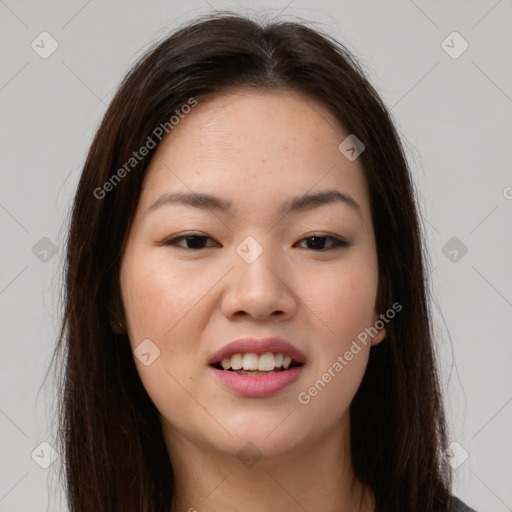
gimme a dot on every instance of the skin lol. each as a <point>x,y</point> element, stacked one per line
<point>256,149</point>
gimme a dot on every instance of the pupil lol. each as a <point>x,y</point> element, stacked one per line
<point>316,241</point>
<point>199,242</point>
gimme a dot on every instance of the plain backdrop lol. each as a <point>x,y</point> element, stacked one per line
<point>451,97</point>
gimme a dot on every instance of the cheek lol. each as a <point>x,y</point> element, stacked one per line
<point>344,300</point>
<point>158,297</point>
<point>344,307</point>
<point>331,390</point>
<point>162,305</point>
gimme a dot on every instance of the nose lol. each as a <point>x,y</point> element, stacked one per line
<point>259,289</point>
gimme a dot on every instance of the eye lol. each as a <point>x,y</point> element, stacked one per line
<point>318,242</point>
<point>195,241</point>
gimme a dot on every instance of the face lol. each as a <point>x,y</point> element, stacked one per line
<point>193,279</point>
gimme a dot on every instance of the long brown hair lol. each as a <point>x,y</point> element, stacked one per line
<point>109,429</point>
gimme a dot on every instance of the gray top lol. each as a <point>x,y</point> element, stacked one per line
<point>459,506</point>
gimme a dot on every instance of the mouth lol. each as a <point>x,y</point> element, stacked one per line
<point>253,364</point>
<point>257,368</point>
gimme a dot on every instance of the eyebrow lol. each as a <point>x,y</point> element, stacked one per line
<point>295,204</point>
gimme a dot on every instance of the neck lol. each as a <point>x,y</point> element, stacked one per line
<point>318,476</point>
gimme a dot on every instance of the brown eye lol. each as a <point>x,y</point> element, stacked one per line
<point>193,241</point>
<point>317,242</point>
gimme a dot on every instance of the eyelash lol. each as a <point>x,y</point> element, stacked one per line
<point>337,242</point>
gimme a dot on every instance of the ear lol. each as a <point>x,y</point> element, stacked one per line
<point>380,335</point>
<point>116,327</point>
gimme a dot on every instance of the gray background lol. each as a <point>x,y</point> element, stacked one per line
<point>454,115</point>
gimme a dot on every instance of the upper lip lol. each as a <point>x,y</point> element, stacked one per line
<point>258,346</point>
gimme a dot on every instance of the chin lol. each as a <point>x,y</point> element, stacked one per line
<point>265,439</point>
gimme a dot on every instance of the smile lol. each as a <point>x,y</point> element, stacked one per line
<point>252,364</point>
<point>257,376</point>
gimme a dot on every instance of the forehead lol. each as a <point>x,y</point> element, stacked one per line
<point>259,145</point>
<point>238,121</point>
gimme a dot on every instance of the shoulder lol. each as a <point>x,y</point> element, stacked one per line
<point>457,505</point>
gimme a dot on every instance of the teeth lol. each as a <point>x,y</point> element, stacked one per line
<point>266,362</point>
<point>252,362</point>
<point>236,362</point>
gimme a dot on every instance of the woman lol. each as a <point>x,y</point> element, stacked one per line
<point>247,324</point>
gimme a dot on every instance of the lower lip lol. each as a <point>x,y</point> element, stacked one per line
<point>257,385</point>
